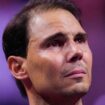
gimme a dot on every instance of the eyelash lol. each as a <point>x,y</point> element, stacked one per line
<point>80,38</point>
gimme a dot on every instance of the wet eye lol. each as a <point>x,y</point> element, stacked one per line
<point>80,38</point>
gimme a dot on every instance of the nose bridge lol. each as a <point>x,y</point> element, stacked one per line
<point>73,52</point>
<point>72,47</point>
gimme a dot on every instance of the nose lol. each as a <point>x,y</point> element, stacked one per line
<point>75,57</point>
<point>74,54</point>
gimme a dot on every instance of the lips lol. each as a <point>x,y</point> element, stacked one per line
<point>76,73</point>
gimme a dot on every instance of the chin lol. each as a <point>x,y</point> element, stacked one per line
<point>81,89</point>
<point>77,90</point>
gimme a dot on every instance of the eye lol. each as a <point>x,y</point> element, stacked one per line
<point>80,38</point>
<point>57,40</point>
<point>56,43</point>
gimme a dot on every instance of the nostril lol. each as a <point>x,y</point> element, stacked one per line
<point>76,57</point>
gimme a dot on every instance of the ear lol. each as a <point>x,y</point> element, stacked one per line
<point>17,67</point>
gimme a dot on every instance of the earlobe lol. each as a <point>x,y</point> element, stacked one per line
<point>16,65</point>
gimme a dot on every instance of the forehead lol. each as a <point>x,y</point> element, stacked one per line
<point>52,21</point>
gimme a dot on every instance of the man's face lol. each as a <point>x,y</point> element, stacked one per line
<point>59,60</point>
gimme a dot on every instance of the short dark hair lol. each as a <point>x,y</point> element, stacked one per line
<point>15,36</point>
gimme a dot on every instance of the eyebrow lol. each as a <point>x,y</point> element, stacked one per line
<point>59,35</point>
<point>55,36</point>
<point>82,33</point>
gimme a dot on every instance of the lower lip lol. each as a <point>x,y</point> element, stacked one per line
<point>76,75</point>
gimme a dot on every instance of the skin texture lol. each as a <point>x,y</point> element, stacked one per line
<point>57,46</point>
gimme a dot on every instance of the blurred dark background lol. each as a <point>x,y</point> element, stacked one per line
<point>93,18</point>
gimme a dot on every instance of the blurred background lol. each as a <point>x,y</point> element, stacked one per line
<point>93,18</point>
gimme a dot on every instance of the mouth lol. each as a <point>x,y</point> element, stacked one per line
<point>76,73</point>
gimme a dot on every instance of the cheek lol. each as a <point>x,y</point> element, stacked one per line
<point>88,59</point>
<point>40,71</point>
<point>57,59</point>
<point>89,64</point>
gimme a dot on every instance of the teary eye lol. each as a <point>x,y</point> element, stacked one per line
<point>80,38</point>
